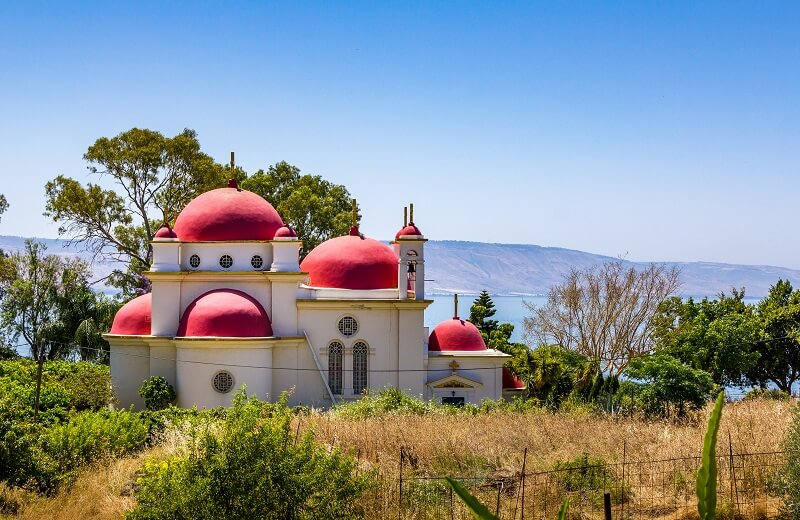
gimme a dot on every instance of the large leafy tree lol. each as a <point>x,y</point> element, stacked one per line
<point>779,352</point>
<point>605,312</point>
<point>316,208</point>
<point>717,336</point>
<point>151,178</point>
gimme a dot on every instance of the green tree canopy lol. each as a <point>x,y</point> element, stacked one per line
<point>3,204</point>
<point>152,177</point>
<point>779,353</point>
<point>481,312</point>
<point>717,336</point>
<point>316,208</point>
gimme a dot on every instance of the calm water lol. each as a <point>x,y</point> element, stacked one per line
<point>510,309</point>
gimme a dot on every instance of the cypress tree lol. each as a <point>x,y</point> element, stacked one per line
<point>480,313</point>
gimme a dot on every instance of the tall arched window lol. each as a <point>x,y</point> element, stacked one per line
<point>360,354</point>
<point>335,350</point>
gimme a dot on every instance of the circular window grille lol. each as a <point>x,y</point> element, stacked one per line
<point>226,261</point>
<point>194,261</point>
<point>348,326</point>
<point>223,382</point>
<point>256,262</point>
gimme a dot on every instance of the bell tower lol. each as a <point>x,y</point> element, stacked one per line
<point>409,245</point>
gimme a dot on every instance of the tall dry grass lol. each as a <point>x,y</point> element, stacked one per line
<point>451,444</point>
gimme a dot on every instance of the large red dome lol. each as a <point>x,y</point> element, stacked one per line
<point>456,334</point>
<point>351,262</point>
<point>225,313</point>
<point>227,214</point>
<point>133,318</point>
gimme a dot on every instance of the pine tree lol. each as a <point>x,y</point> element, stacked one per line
<point>480,313</point>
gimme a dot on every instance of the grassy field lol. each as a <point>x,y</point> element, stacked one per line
<point>484,445</point>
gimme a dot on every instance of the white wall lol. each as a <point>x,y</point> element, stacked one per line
<point>130,366</point>
<point>241,252</point>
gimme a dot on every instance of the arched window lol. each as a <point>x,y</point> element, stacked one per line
<point>360,355</point>
<point>335,350</point>
<point>412,268</point>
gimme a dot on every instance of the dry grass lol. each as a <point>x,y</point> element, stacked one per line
<point>452,444</point>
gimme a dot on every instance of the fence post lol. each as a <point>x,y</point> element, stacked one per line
<point>734,491</point>
<point>497,506</point>
<point>522,508</point>
<point>622,491</point>
<point>400,507</point>
<point>607,505</point>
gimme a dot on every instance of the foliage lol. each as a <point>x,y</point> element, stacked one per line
<point>478,510</point>
<point>252,466</point>
<point>717,336</point>
<point>767,393</point>
<point>779,316</point>
<point>480,314</point>
<point>660,385</point>
<point>605,312</point>
<point>551,373</point>
<point>157,393</point>
<point>583,473</point>
<point>563,511</point>
<point>707,474</point>
<point>786,481</point>
<point>317,209</point>
<point>48,302</point>
<point>153,178</point>
<point>3,204</point>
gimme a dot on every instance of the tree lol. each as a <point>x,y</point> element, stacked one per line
<point>717,336</point>
<point>3,204</point>
<point>316,208</point>
<point>481,311</point>
<point>153,178</point>
<point>779,352</point>
<point>604,312</point>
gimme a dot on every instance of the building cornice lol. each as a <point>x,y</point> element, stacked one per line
<point>239,276</point>
<point>362,303</point>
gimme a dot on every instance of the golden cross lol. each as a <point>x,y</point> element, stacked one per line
<point>355,213</point>
<point>455,305</point>
<point>454,365</point>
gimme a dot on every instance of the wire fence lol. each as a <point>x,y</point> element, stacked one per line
<point>629,490</point>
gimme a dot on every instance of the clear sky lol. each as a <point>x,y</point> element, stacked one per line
<point>655,130</point>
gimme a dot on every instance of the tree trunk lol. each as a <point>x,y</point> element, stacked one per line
<point>39,364</point>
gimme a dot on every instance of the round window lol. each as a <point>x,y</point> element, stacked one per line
<point>226,261</point>
<point>256,262</point>
<point>223,381</point>
<point>194,261</point>
<point>348,326</point>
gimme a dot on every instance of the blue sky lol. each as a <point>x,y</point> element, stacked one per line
<point>655,130</point>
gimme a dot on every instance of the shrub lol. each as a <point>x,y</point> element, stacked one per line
<point>767,393</point>
<point>385,402</point>
<point>157,393</point>
<point>786,482</point>
<point>252,465</point>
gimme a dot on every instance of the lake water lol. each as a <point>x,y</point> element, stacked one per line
<point>510,309</point>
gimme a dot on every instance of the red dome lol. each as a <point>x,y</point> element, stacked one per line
<point>225,313</point>
<point>227,214</point>
<point>351,262</point>
<point>456,334</point>
<point>133,318</point>
<point>409,231</point>
<point>511,381</point>
<point>165,232</point>
<point>285,232</point>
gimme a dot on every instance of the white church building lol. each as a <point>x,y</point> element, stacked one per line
<point>231,305</point>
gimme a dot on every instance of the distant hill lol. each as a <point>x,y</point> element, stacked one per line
<point>469,267</point>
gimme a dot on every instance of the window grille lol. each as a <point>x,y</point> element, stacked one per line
<point>226,261</point>
<point>223,381</point>
<point>335,351</point>
<point>256,261</point>
<point>194,261</point>
<point>348,326</point>
<point>360,355</point>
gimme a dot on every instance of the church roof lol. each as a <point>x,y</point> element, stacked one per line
<point>457,335</point>
<point>411,230</point>
<point>133,318</point>
<point>351,262</point>
<point>227,214</point>
<point>225,313</point>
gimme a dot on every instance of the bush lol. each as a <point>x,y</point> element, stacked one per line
<point>593,475</point>
<point>252,465</point>
<point>767,393</point>
<point>157,393</point>
<point>786,481</point>
<point>385,402</point>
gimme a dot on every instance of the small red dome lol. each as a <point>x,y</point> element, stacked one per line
<point>165,232</point>
<point>410,230</point>
<point>227,214</point>
<point>133,318</point>
<point>351,262</point>
<point>456,334</point>
<point>225,313</point>
<point>511,381</point>
<point>286,232</point>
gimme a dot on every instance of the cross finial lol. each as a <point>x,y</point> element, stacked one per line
<point>411,213</point>
<point>355,213</point>
<point>454,365</point>
<point>455,306</point>
<point>405,216</point>
<point>232,181</point>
